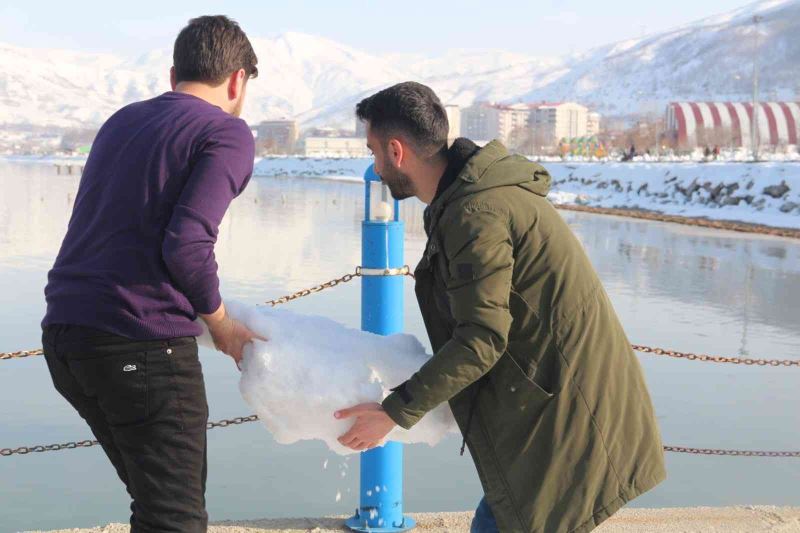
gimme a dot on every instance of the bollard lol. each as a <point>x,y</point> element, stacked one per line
<point>381,492</point>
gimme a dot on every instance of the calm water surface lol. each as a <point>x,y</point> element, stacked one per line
<point>679,287</point>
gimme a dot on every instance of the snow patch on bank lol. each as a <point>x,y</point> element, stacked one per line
<point>761,193</point>
<point>312,366</point>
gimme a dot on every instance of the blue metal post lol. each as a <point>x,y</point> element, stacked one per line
<point>381,499</point>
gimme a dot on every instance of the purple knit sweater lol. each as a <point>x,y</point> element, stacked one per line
<point>138,256</point>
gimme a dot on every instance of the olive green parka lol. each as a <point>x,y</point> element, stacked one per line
<point>530,354</point>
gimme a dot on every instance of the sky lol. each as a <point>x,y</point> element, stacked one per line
<point>532,27</point>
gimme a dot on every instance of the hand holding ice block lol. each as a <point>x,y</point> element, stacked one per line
<point>312,366</point>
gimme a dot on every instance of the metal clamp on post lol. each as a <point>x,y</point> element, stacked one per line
<point>364,271</point>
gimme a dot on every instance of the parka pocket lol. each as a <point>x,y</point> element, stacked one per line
<point>529,377</point>
<point>514,404</point>
<point>512,383</point>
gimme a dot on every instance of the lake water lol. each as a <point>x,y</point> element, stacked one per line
<point>673,286</point>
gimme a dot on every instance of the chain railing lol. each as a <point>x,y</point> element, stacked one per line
<point>359,272</point>
<point>21,354</point>
<point>24,450</point>
<point>736,453</point>
<point>748,361</point>
<point>406,271</point>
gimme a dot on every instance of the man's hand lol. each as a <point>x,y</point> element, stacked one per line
<point>229,335</point>
<point>370,428</point>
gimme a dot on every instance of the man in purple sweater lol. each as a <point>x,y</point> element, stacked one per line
<point>137,267</point>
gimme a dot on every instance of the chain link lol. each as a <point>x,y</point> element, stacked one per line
<point>405,271</point>
<point>317,288</point>
<point>20,354</point>
<point>716,358</point>
<point>748,361</point>
<point>231,422</point>
<point>24,450</point>
<point>737,453</point>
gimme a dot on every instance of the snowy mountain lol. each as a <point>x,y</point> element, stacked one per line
<point>318,80</point>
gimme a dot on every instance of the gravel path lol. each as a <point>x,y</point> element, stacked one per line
<point>745,519</point>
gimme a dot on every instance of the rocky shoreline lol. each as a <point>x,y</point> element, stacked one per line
<point>766,193</point>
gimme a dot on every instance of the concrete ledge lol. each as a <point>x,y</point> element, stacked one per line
<point>744,519</point>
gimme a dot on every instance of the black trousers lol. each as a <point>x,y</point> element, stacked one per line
<point>145,402</point>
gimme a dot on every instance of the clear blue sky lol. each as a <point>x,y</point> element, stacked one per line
<point>535,27</point>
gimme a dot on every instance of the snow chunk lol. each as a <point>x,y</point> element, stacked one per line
<point>312,366</point>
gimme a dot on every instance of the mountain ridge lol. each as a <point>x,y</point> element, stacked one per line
<point>318,80</point>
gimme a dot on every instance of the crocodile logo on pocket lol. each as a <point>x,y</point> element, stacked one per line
<point>129,368</point>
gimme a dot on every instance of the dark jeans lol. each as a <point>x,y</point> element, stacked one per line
<point>145,401</point>
<point>484,521</point>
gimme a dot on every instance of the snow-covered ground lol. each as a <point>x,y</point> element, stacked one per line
<point>761,193</point>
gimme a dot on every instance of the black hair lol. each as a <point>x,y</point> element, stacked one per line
<point>211,48</point>
<point>411,109</point>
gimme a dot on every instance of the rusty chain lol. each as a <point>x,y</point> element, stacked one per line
<point>405,270</point>
<point>24,450</point>
<point>747,361</point>
<point>20,354</point>
<point>231,422</point>
<point>317,288</point>
<point>737,453</point>
<point>715,358</point>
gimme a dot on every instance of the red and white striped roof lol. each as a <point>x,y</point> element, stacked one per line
<point>778,122</point>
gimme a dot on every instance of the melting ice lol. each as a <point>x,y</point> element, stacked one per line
<point>311,366</point>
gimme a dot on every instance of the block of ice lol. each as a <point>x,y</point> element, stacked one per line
<point>311,366</point>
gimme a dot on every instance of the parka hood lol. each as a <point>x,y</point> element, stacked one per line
<point>492,166</point>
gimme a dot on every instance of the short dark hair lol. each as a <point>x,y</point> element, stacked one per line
<point>211,48</point>
<point>408,108</point>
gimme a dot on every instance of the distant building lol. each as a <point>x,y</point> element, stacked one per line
<point>592,123</point>
<point>454,120</point>
<point>552,122</point>
<point>328,132</point>
<point>484,120</point>
<point>692,124</point>
<point>335,147</point>
<point>277,136</point>
<point>479,121</point>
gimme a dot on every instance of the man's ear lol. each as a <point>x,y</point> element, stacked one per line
<point>397,153</point>
<point>172,81</point>
<point>236,84</point>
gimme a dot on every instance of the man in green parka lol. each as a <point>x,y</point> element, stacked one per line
<point>528,350</point>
